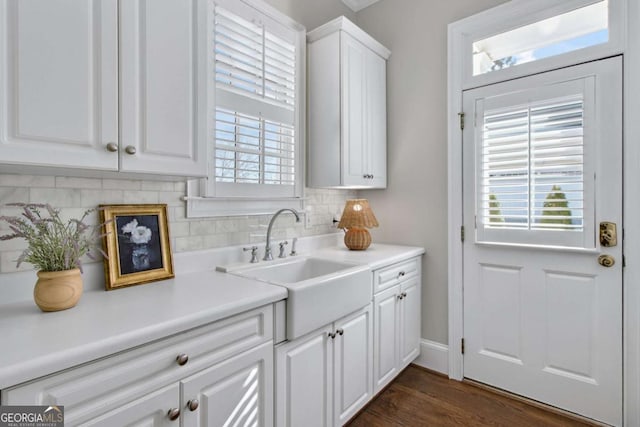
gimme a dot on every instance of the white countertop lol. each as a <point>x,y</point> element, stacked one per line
<point>35,343</point>
<point>378,255</point>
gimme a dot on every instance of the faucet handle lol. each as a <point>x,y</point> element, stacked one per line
<point>282,245</point>
<point>293,247</point>
<point>254,253</point>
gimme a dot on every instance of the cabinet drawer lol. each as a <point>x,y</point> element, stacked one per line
<point>392,275</point>
<point>100,386</point>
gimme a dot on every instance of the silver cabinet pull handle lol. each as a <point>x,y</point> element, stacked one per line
<point>193,404</point>
<point>130,149</point>
<point>173,414</point>
<point>112,147</point>
<point>182,359</point>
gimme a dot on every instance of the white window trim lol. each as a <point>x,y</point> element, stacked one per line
<point>518,13</point>
<point>199,206</point>
<point>624,22</point>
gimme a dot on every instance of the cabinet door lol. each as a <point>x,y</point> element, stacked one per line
<point>354,115</point>
<point>376,120</point>
<point>150,410</point>
<point>410,321</point>
<point>163,91</point>
<point>59,83</point>
<point>304,380</point>
<point>386,338</point>
<point>353,364</point>
<point>238,391</point>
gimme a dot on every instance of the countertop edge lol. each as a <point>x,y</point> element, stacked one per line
<point>51,363</point>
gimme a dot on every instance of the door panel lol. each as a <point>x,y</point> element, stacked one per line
<point>353,358</point>
<point>542,168</point>
<point>163,51</point>
<point>59,83</point>
<point>386,340</point>
<point>238,391</point>
<point>303,394</point>
<point>410,320</point>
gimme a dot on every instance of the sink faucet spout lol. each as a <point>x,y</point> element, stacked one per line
<point>267,249</point>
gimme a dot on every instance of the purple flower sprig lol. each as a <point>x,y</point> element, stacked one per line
<point>53,244</point>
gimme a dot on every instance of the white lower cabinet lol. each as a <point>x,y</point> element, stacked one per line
<point>325,377</point>
<point>237,392</point>
<point>214,375</point>
<point>396,321</point>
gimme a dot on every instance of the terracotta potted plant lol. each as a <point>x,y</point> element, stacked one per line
<point>55,248</point>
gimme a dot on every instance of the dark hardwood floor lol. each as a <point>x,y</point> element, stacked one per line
<point>422,398</point>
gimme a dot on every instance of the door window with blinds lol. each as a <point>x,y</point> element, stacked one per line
<point>534,166</point>
<point>257,145</point>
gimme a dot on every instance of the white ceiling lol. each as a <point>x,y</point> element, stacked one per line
<point>357,5</point>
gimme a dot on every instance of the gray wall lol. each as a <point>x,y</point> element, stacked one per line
<point>413,209</point>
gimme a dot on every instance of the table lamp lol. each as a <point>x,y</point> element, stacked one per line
<point>356,218</point>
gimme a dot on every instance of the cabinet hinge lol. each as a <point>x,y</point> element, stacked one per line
<point>624,261</point>
<point>462,233</point>
<point>462,345</point>
<point>461,116</point>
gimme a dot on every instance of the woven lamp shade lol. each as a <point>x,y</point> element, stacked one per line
<point>356,218</point>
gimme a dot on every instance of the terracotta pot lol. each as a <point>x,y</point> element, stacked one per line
<point>58,290</point>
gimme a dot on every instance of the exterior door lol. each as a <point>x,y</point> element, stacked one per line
<point>542,158</point>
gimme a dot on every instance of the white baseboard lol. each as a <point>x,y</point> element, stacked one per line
<point>433,356</point>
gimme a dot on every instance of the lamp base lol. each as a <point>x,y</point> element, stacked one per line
<point>357,239</point>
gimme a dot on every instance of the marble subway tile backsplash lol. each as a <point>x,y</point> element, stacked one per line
<point>75,195</point>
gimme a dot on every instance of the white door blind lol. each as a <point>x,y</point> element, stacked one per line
<point>253,61</point>
<point>532,166</point>
<point>253,150</point>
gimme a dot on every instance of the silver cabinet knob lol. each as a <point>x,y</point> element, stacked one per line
<point>193,404</point>
<point>173,414</point>
<point>182,359</point>
<point>130,149</point>
<point>112,147</point>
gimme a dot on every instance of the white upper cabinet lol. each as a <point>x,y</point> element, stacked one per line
<point>104,86</point>
<point>347,108</point>
<point>59,83</point>
<point>163,86</point>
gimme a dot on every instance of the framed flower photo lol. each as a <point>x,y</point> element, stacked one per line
<point>136,241</point>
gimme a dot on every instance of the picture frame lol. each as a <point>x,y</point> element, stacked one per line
<point>136,242</point>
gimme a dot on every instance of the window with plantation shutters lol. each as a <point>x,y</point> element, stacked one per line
<point>253,61</point>
<point>534,177</point>
<point>257,67</point>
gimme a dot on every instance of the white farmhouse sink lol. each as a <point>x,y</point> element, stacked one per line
<point>320,291</point>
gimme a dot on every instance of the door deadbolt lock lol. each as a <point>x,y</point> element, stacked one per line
<point>606,260</point>
<point>608,234</point>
